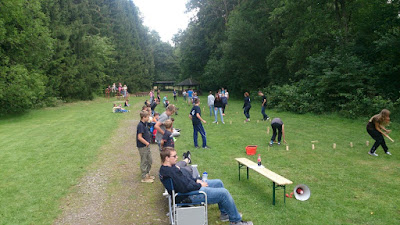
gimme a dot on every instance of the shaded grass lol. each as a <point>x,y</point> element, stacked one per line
<point>347,185</point>
<point>43,154</point>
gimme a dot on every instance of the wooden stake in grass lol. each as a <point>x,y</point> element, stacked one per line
<point>351,144</point>
<point>230,122</point>
<point>267,130</point>
<point>312,146</point>
<point>258,121</point>
<point>367,143</point>
<point>287,147</point>
<point>334,146</point>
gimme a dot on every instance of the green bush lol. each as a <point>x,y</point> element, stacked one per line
<point>20,89</point>
<point>360,105</point>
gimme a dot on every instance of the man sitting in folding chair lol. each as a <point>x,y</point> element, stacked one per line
<point>183,182</point>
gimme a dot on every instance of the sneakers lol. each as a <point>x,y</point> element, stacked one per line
<point>215,122</point>
<point>247,120</point>
<point>279,143</point>
<point>206,147</point>
<point>187,155</point>
<point>388,153</point>
<point>271,143</point>
<point>242,223</point>
<point>147,180</point>
<point>223,122</point>
<point>373,154</point>
<point>267,118</point>
<point>225,217</point>
<point>196,146</point>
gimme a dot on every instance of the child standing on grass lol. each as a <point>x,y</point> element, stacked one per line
<point>143,143</point>
<point>375,126</point>
<point>167,139</point>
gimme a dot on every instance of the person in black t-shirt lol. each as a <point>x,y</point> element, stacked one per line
<point>195,116</point>
<point>263,105</point>
<point>142,143</point>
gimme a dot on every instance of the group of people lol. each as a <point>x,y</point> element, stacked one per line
<point>118,108</point>
<point>114,90</point>
<point>218,103</point>
<point>180,171</point>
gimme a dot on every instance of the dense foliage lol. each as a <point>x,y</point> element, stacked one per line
<point>74,49</point>
<point>309,56</point>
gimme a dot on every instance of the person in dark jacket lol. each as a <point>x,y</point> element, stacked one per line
<point>247,106</point>
<point>218,107</point>
<point>184,182</point>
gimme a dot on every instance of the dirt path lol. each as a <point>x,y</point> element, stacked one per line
<point>111,191</point>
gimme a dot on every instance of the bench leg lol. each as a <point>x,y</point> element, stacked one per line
<point>284,193</point>
<point>273,193</point>
<point>239,170</point>
<point>247,173</point>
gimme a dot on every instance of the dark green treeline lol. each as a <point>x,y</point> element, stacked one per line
<point>73,49</point>
<point>308,55</point>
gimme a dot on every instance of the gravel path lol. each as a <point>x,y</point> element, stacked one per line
<point>111,191</point>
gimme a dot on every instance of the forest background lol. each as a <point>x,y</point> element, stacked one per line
<point>323,56</point>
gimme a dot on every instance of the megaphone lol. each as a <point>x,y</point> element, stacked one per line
<point>302,192</point>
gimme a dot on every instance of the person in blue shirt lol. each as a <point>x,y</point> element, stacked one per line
<point>195,116</point>
<point>190,95</point>
<point>174,95</point>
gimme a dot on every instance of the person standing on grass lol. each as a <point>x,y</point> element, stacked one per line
<point>174,94</point>
<point>210,103</point>
<point>263,105</point>
<point>214,188</point>
<point>151,94</point>
<point>277,127</point>
<point>376,128</point>
<point>190,95</point>
<point>143,143</point>
<point>247,106</point>
<point>224,100</point>
<point>218,107</point>
<point>195,116</point>
<point>160,127</point>
<point>184,95</point>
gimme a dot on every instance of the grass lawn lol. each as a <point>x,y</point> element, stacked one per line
<point>44,152</point>
<point>348,186</point>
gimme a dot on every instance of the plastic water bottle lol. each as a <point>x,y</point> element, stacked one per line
<point>205,175</point>
<point>259,160</point>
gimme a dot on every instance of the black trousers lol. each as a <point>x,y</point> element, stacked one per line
<point>276,127</point>
<point>379,140</point>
